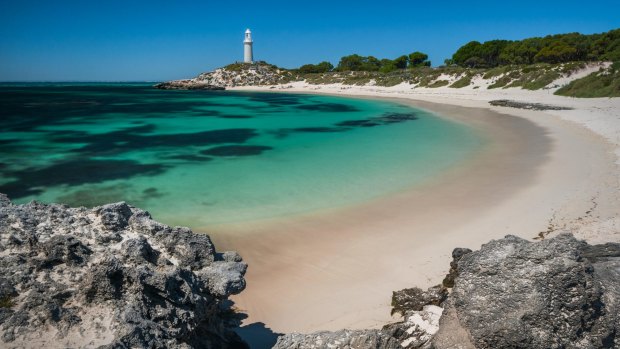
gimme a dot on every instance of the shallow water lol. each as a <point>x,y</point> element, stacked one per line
<point>201,158</point>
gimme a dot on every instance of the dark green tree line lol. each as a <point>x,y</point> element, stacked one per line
<point>549,49</point>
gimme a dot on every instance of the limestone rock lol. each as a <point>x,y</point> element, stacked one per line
<point>414,299</point>
<point>237,74</point>
<point>415,332</point>
<point>513,293</point>
<point>457,254</point>
<point>111,277</point>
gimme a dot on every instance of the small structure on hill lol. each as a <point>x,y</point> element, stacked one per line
<point>248,55</point>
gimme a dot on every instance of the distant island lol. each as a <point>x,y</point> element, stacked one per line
<point>572,64</point>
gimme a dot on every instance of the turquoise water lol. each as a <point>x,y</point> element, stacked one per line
<point>201,158</point>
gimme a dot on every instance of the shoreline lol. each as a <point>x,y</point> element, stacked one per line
<point>304,277</point>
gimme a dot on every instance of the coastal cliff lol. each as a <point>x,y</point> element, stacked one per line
<point>111,277</point>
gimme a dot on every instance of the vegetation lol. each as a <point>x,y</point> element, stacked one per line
<point>462,82</point>
<point>239,66</point>
<point>419,59</point>
<point>604,83</point>
<point>559,48</point>
<point>322,67</point>
<point>356,62</point>
<point>532,64</point>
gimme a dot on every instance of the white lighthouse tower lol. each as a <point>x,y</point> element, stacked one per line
<point>248,56</point>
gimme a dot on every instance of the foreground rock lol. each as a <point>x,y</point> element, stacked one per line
<point>415,332</point>
<point>110,277</point>
<point>512,293</point>
<point>238,74</point>
<point>558,293</point>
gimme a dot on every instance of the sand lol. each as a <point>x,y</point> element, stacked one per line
<point>542,170</point>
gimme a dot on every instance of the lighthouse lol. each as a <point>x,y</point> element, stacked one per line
<point>247,47</point>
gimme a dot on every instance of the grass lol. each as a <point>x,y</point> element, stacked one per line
<point>535,79</point>
<point>604,83</point>
<point>462,82</point>
<point>501,82</point>
<point>439,83</point>
<point>389,81</point>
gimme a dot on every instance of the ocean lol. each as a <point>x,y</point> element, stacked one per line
<point>205,158</point>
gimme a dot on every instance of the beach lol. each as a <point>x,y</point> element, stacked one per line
<point>542,171</point>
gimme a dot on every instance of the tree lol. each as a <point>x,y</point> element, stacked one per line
<point>466,52</point>
<point>322,67</point>
<point>325,66</point>
<point>401,62</point>
<point>418,59</point>
<point>352,62</point>
<point>556,53</point>
<point>388,66</point>
<point>558,48</point>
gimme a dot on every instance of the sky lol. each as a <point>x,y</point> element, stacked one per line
<point>110,40</point>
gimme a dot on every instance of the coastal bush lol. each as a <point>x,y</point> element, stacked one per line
<point>535,80</point>
<point>439,83</point>
<point>491,73</point>
<point>501,82</point>
<point>427,78</point>
<point>322,67</point>
<point>390,80</point>
<point>462,82</point>
<point>603,83</point>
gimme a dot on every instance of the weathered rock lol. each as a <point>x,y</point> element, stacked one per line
<point>414,299</point>
<point>517,294</point>
<point>111,277</point>
<point>238,74</point>
<point>188,84</point>
<point>415,332</point>
<point>346,339</point>
<point>512,293</point>
<point>457,254</point>
<point>524,105</point>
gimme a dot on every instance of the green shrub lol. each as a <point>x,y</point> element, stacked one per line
<point>501,82</point>
<point>439,83</point>
<point>462,82</point>
<point>604,83</point>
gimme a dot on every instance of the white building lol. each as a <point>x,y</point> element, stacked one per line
<point>248,56</point>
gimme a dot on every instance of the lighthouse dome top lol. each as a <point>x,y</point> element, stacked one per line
<point>247,31</point>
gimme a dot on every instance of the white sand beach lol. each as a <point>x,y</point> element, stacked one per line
<point>553,171</point>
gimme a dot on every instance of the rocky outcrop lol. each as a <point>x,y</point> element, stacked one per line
<point>421,321</point>
<point>523,105</point>
<point>188,84</point>
<point>238,74</point>
<point>512,293</point>
<point>415,332</point>
<point>111,277</point>
<point>557,293</point>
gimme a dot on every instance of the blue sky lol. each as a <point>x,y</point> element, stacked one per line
<point>83,40</point>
